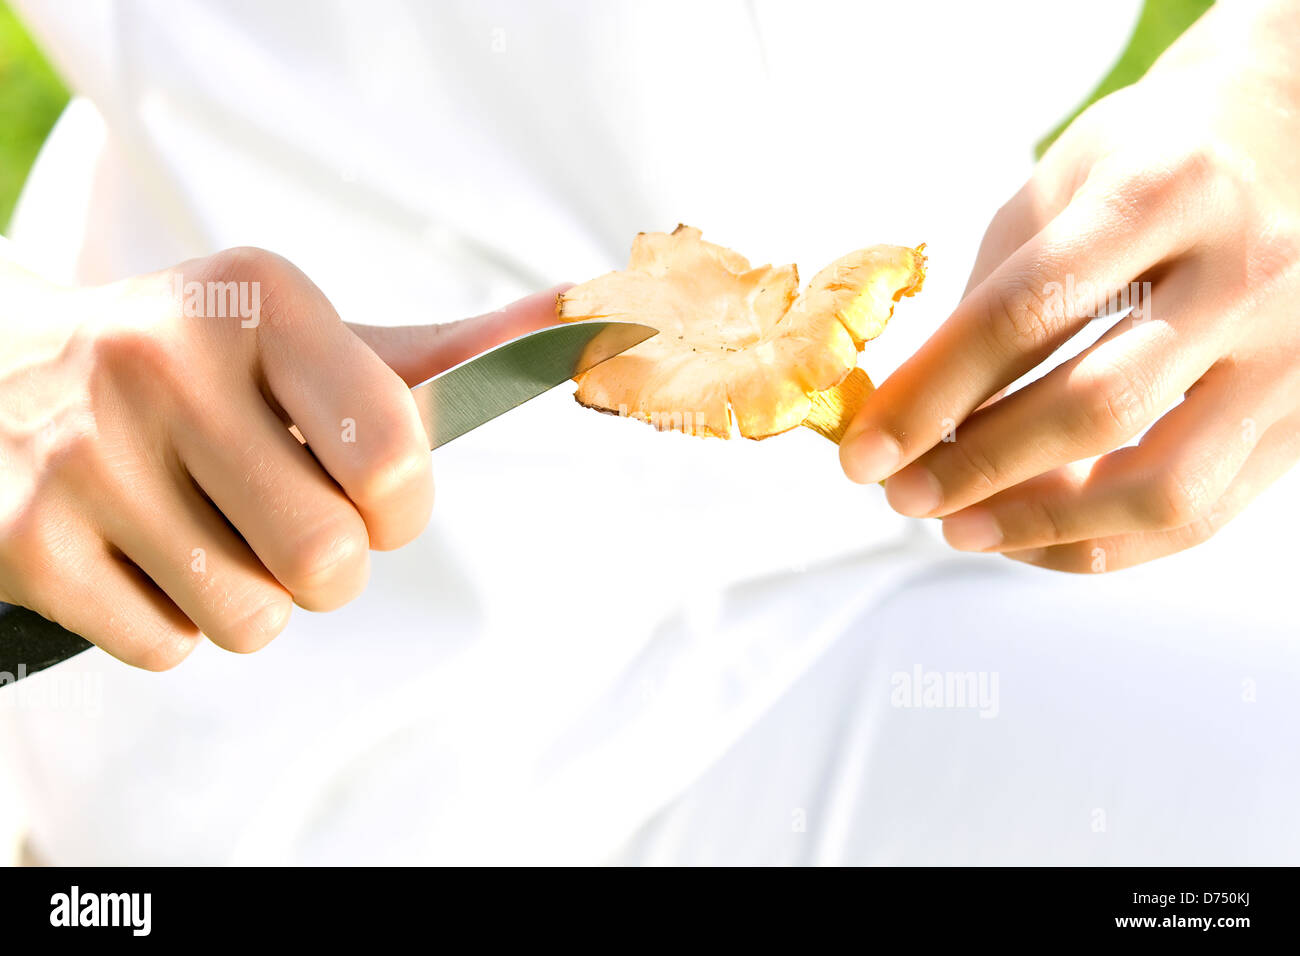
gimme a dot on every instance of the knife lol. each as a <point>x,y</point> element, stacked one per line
<point>450,404</point>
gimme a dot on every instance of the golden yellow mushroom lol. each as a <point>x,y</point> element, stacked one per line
<point>739,345</point>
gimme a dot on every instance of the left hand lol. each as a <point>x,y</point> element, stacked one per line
<point>1189,182</point>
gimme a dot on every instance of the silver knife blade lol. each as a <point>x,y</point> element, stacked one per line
<point>478,390</point>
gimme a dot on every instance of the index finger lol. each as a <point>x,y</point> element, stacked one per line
<point>1110,233</point>
<point>417,352</point>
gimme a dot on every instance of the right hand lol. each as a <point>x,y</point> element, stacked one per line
<point>150,487</point>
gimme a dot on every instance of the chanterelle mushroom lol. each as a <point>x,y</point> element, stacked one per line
<point>736,341</point>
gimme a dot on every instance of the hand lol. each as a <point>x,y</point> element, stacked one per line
<point>1187,183</point>
<point>150,486</point>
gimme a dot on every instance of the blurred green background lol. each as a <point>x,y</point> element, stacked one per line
<point>1160,23</point>
<point>31,98</point>
<point>32,95</point>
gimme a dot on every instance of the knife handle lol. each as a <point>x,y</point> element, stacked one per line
<point>30,643</point>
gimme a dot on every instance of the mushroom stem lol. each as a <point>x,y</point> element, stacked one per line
<point>833,409</point>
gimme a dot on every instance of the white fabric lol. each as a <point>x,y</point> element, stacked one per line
<point>613,644</point>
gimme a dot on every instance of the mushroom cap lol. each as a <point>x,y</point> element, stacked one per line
<point>734,342</point>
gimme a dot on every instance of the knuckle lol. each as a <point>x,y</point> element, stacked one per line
<point>1197,170</point>
<point>1021,317</point>
<point>1162,189</point>
<point>1048,521</point>
<point>133,353</point>
<point>245,263</point>
<point>93,465</point>
<point>33,547</point>
<point>1176,499</point>
<point>138,367</point>
<point>1112,407</point>
<point>287,302</point>
<point>1139,191</point>
<point>85,462</point>
<point>970,466</point>
<point>1272,261</point>
<point>141,365</point>
<point>23,542</point>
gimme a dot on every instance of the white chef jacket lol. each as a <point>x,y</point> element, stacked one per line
<point>613,644</point>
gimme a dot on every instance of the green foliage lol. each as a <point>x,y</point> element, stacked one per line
<point>1160,24</point>
<point>31,98</point>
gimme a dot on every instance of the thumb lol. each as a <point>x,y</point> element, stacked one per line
<point>416,352</point>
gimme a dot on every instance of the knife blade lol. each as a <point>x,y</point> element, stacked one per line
<point>490,384</point>
<point>450,404</point>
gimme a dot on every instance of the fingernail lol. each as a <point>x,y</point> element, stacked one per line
<point>972,530</point>
<point>914,491</point>
<point>870,456</point>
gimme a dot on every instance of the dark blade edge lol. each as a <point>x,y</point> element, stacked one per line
<point>31,643</point>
